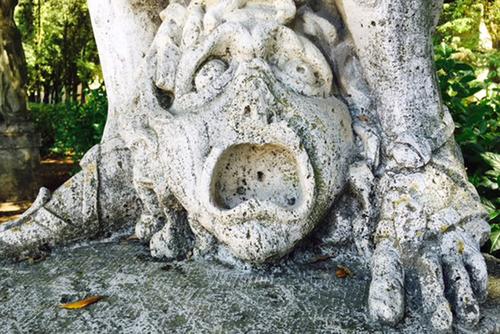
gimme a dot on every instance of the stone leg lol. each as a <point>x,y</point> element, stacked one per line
<point>393,42</point>
<point>431,226</point>
<point>124,31</point>
<point>431,221</point>
<point>98,200</point>
<point>175,240</point>
<point>152,218</point>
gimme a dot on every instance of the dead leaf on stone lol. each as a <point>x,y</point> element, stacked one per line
<point>444,228</point>
<point>321,258</point>
<point>36,259</point>
<point>81,304</point>
<point>343,272</point>
<point>363,118</point>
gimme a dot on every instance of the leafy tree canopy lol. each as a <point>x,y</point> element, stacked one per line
<point>60,49</point>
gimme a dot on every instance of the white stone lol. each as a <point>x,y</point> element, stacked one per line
<point>240,129</point>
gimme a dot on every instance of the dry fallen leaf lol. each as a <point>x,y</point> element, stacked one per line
<point>36,259</point>
<point>133,237</point>
<point>363,118</point>
<point>461,247</point>
<point>343,272</point>
<point>82,303</point>
<point>321,258</point>
<point>444,228</point>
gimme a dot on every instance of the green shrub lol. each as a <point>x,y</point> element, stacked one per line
<point>71,128</point>
<point>472,95</point>
<point>467,59</point>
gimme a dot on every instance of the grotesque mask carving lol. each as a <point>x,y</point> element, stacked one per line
<point>245,127</point>
<point>254,146</point>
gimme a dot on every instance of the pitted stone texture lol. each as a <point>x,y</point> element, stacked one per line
<point>266,173</point>
<point>254,145</point>
<point>245,130</point>
<point>201,297</point>
<point>393,42</point>
<point>20,159</point>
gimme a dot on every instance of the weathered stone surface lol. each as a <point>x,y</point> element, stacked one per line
<point>19,161</point>
<point>196,296</point>
<point>242,131</point>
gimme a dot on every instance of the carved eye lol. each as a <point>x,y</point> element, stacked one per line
<point>209,74</point>
<point>300,76</point>
<point>299,71</point>
<point>164,98</point>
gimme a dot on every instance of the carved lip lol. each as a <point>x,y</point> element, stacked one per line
<point>266,176</point>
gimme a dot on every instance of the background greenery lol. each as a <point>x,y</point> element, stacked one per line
<point>69,102</point>
<point>467,59</point>
<point>60,49</point>
<point>71,128</point>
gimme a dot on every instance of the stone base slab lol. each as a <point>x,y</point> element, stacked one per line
<point>144,296</point>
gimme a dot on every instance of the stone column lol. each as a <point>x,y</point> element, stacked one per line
<point>19,154</point>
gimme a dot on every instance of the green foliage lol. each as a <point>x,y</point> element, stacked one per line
<point>495,238</point>
<point>470,24</point>
<point>60,49</point>
<point>71,127</point>
<point>467,67</point>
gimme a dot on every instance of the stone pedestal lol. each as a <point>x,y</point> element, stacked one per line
<point>145,296</point>
<point>251,131</point>
<point>19,159</point>
<point>19,155</point>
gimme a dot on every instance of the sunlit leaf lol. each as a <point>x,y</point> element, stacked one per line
<point>493,159</point>
<point>321,258</point>
<point>81,304</point>
<point>495,238</point>
<point>343,272</point>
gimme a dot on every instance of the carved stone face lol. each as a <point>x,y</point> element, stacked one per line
<point>254,147</point>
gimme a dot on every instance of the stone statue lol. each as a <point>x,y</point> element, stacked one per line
<point>12,67</point>
<point>18,141</point>
<point>244,129</point>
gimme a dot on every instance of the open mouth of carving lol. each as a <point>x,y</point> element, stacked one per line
<point>259,173</point>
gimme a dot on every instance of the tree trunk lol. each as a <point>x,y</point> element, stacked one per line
<point>12,67</point>
<point>46,93</point>
<point>18,141</point>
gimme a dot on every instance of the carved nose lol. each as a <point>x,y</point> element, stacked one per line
<point>262,114</point>
<point>258,103</point>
